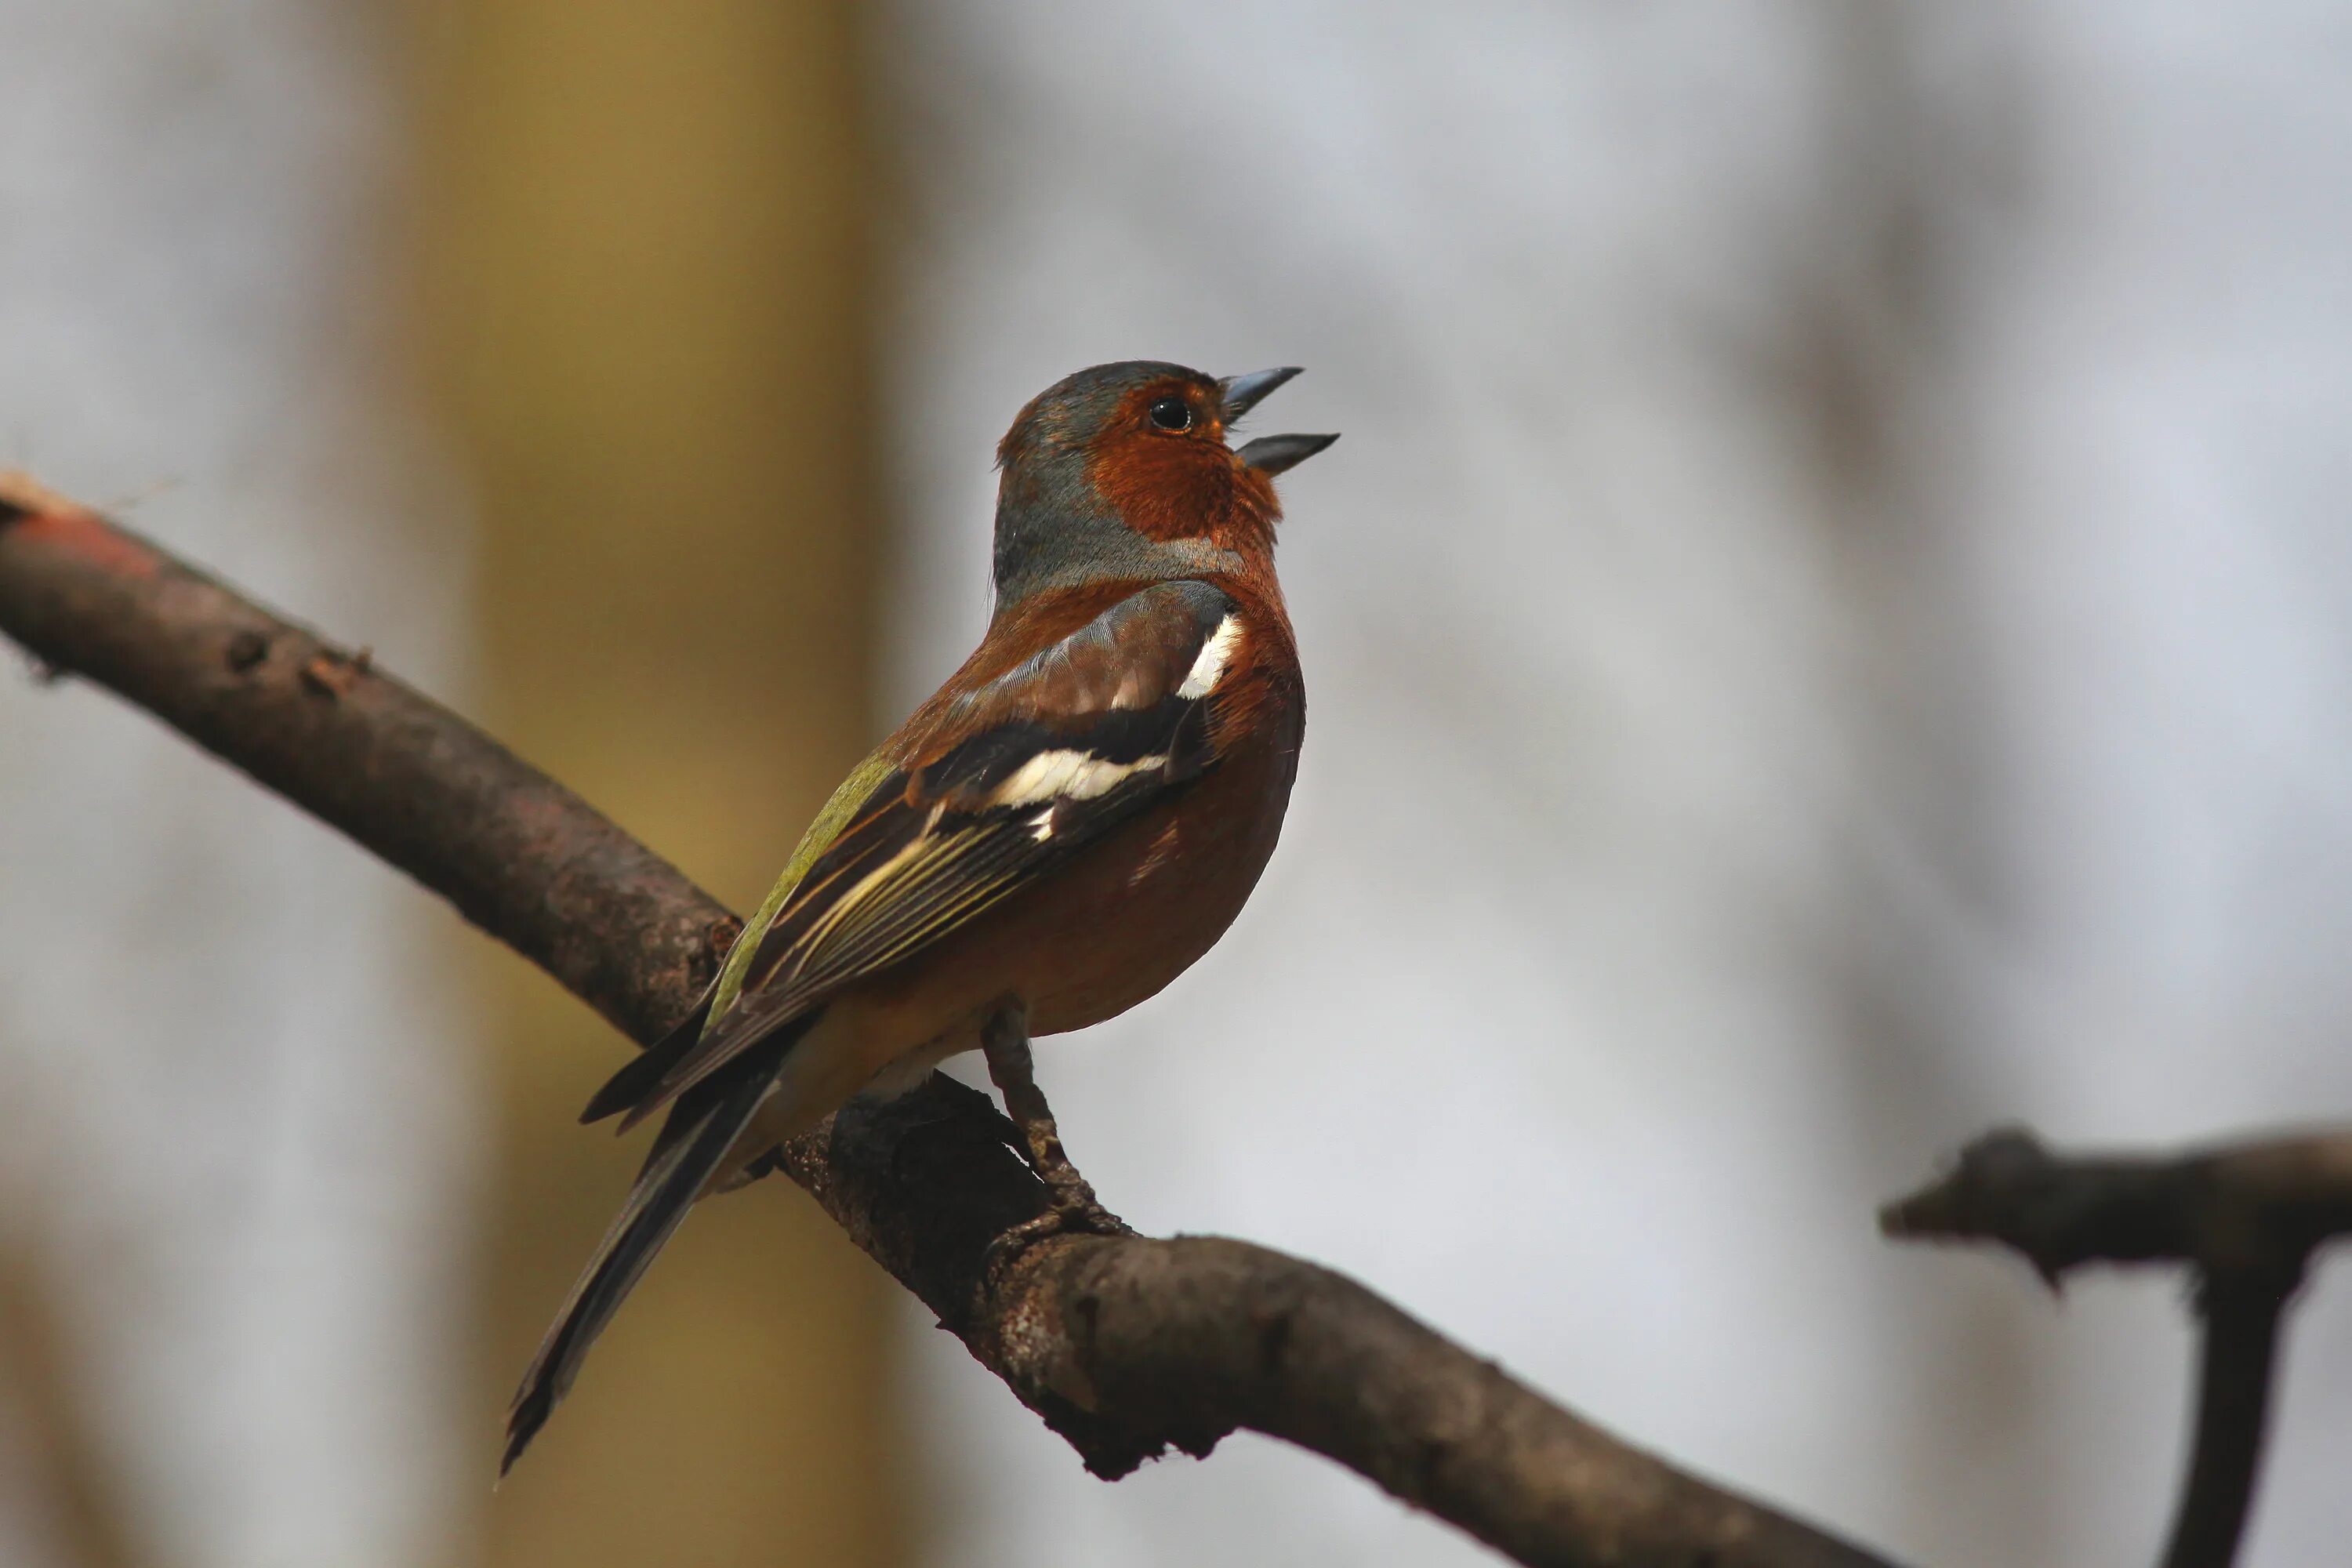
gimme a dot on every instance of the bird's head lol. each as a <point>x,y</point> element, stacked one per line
<point>1124,471</point>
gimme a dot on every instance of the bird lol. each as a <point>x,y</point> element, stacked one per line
<point>1065,825</point>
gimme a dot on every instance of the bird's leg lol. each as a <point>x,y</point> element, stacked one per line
<point>1004,1041</point>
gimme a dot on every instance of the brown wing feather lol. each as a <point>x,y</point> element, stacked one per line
<point>940,844</point>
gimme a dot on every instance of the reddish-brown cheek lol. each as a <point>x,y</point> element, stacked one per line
<point>1164,489</point>
<point>1254,498</point>
<point>1186,490</point>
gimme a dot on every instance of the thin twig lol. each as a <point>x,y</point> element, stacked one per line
<point>2236,1353</point>
<point>1126,1346</point>
<point>2246,1216</point>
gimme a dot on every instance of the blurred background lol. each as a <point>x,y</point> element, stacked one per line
<point>1832,626</point>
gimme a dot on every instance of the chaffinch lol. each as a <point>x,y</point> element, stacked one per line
<point>1069,822</point>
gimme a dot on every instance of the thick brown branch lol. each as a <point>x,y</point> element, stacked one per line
<point>520,855</point>
<point>1126,1346</point>
<point>2246,1216</point>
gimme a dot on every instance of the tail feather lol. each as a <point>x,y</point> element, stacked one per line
<point>686,1154</point>
<point>649,1067</point>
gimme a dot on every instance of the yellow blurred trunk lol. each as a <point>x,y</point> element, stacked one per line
<point>645,231</point>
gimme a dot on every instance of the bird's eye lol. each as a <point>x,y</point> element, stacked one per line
<point>1173,414</point>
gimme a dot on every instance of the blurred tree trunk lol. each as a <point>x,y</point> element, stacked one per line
<point>1914,168</point>
<point>644,234</point>
<point>65,1464</point>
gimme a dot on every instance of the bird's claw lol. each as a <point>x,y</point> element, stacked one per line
<point>1072,1206</point>
<point>1075,1210</point>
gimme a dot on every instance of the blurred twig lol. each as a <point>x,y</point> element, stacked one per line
<point>1125,1346</point>
<point>2246,1216</point>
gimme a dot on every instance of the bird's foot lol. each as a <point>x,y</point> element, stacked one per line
<point>1072,1208</point>
<point>1075,1210</point>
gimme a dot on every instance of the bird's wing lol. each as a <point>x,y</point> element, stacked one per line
<point>647,1069</point>
<point>1033,766</point>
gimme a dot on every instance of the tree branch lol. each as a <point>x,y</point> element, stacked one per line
<point>1125,1346</point>
<point>2246,1216</point>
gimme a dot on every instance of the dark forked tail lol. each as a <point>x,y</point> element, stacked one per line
<point>692,1143</point>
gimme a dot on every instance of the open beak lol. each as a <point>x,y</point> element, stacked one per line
<point>1244,392</point>
<point>1267,454</point>
<point>1273,454</point>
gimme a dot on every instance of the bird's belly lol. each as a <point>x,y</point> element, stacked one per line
<point>1152,899</point>
<point>1110,930</point>
<point>1140,917</point>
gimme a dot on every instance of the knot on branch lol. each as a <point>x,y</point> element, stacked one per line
<point>2005,1187</point>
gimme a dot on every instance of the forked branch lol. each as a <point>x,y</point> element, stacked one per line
<point>2246,1216</point>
